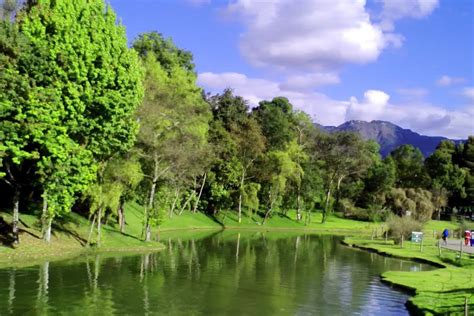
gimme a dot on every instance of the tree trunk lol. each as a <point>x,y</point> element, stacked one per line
<point>151,197</point>
<point>270,209</point>
<point>46,220</point>
<point>308,217</point>
<point>326,208</point>
<point>121,218</point>
<point>16,216</point>
<point>338,194</point>
<point>298,206</point>
<point>148,232</point>
<point>149,207</point>
<point>99,226</point>
<point>200,193</point>
<point>174,203</point>
<point>187,202</point>
<point>91,230</point>
<point>240,195</point>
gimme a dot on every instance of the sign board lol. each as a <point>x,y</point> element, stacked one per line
<point>416,236</point>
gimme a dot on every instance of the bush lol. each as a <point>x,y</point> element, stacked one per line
<point>402,226</point>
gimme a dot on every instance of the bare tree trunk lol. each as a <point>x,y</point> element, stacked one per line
<point>174,203</point>
<point>46,220</point>
<point>338,194</point>
<point>91,230</point>
<point>151,197</point>
<point>200,193</point>
<point>187,202</point>
<point>121,218</point>
<point>240,195</point>
<point>99,226</point>
<point>298,205</point>
<point>270,209</point>
<point>16,216</point>
<point>148,232</point>
<point>326,208</point>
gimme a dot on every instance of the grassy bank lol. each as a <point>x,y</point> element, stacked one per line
<point>70,233</point>
<point>69,237</point>
<point>440,291</point>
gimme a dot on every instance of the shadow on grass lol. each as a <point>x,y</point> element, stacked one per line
<point>6,238</point>
<point>115,231</point>
<point>59,227</point>
<point>215,219</point>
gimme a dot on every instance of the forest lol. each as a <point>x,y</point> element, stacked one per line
<point>90,122</point>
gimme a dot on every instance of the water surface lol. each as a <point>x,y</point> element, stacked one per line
<point>226,273</point>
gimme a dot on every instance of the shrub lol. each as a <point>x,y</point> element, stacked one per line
<point>402,226</point>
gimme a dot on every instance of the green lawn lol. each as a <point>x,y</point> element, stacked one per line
<point>440,291</point>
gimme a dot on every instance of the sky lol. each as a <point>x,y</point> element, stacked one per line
<point>410,62</point>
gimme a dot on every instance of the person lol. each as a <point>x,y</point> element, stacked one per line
<point>472,239</point>
<point>467,237</point>
<point>445,236</point>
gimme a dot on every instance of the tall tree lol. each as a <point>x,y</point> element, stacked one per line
<point>233,113</point>
<point>174,123</point>
<point>276,120</point>
<point>467,161</point>
<point>446,177</point>
<point>94,75</point>
<point>343,154</point>
<point>410,169</point>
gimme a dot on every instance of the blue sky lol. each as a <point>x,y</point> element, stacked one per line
<point>410,62</point>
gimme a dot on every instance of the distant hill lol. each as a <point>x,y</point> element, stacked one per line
<point>388,135</point>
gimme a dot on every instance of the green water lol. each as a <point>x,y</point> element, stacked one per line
<point>227,273</point>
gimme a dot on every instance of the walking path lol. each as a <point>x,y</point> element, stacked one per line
<point>455,244</point>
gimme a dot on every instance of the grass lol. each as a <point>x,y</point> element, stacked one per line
<point>68,239</point>
<point>440,291</point>
<point>70,232</point>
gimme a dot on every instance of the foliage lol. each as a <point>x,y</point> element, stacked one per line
<point>410,171</point>
<point>402,226</point>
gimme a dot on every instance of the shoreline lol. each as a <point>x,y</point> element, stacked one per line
<point>427,295</point>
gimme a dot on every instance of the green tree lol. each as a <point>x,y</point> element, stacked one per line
<point>409,162</point>
<point>467,162</point>
<point>245,132</point>
<point>379,180</point>
<point>277,122</point>
<point>447,177</point>
<point>95,77</point>
<point>343,155</point>
<point>173,127</point>
<point>282,167</point>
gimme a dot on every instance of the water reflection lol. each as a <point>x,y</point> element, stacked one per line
<point>226,273</point>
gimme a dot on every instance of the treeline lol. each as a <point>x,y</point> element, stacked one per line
<point>88,124</point>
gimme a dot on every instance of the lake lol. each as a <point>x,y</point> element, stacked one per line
<point>225,273</point>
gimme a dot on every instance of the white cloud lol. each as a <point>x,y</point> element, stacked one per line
<point>319,35</point>
<point>446,80</point>
<point>396,9</point>
<point>418,115</point>
<point>468,92</point>
<point>310,35</point>
<point>308,81</point>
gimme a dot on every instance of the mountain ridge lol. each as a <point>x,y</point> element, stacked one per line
<point>388,135</point>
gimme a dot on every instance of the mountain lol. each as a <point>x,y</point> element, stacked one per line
<point>388,135</point>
